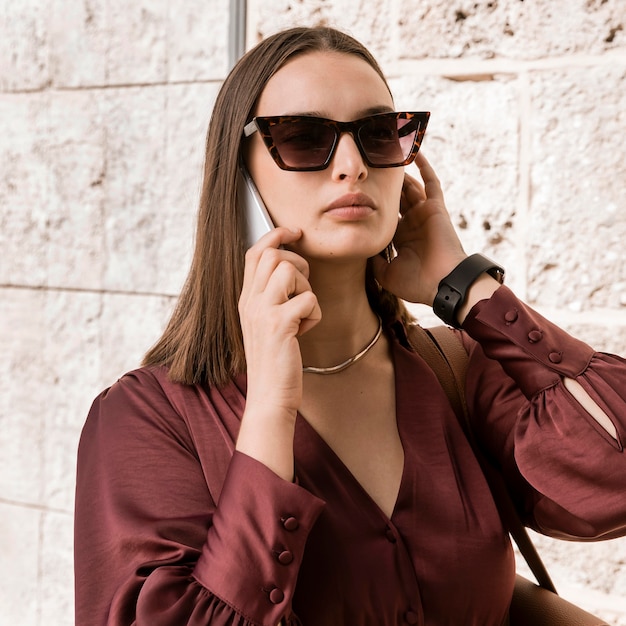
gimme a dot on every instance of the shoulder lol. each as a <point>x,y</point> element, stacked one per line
<point>142,387</point>
<point>139,402</point>
<point>147,398</point>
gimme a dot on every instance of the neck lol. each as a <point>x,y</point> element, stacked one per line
<point>348,322</point>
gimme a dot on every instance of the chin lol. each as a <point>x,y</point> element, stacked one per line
<point>340,252</point>
<point>342,243</point>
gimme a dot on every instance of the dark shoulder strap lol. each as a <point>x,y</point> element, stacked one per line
<point>451,376</point>
<point>447,357</point>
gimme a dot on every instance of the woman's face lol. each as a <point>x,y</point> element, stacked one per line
<point>336,222</point>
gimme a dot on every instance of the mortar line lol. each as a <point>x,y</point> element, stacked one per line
<point>34,507</point>
<point>504,65</point>
<point>87,290</point>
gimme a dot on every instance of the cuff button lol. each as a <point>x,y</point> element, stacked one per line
<point>285,557</point>
<point>555,357</point>
<point>511,316</point>
<point>276,595</point>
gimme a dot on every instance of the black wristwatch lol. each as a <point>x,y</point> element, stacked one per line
<point>453,288</point>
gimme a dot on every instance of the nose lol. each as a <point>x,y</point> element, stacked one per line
<point>347,161</point>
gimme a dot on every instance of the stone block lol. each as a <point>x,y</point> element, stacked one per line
<point>577,225</point>
<point>472,141</point>
<point>60,445</point>
<point>24,188</point>
<point>99,43</point>
<point>154,155</point>
<point>57,568</point>
<point>368,22</point>
<point>532,29</point>
<point>74,356</point>
<point>23,403</point>
<point>24,45</point>
<point>90,340</point>
<point>53,151</point>
<point>19,578</point>
<point>197,40</point>
<point>76,161</point>
<point>79,43</point>
<point>135,186</point>
<point>187,119</point>
<point>135,41</point>
<point>130,325</point>
<point>101,187</point>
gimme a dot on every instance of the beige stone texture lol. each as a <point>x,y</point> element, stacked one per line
<point>519,29</point>
<point>103,113</point>
<point>482,142</point>
<point>56,566</point>
<point>577,225</point>
<point>21,589</point>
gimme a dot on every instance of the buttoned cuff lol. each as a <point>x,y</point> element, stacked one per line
<point>255,545</point>
<point>532,350</point>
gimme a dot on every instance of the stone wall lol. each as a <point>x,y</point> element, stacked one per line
<point>103,110</point>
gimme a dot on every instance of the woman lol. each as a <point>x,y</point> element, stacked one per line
<point>284,454</point>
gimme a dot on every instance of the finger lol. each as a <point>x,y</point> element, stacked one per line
<point>277,237</point>
<point>285,283</point>
<point>304,307</point>
<point>412,193</point>
<point>432,186</point>
<point>271,260</point>
<point>263,260</point>
<point>274,239</point>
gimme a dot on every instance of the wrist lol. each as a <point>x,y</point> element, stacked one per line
<point>482,289</point>
<point>268,438</point>
<point>473,279</point>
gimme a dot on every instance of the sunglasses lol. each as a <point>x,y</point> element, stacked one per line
<point>303,143</point>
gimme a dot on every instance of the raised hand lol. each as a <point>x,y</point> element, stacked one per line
<point>427,244</point>
<point>275,307</point>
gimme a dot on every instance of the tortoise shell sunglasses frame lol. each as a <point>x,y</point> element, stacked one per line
<point>304,143</point>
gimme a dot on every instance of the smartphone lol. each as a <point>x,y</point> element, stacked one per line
<point>258,220</point>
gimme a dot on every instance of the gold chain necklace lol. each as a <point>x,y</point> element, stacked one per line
<point>353,359</point>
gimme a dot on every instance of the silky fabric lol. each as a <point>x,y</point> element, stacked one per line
<point>174,527</point>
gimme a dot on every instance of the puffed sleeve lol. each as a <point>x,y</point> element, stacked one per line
<point>566,473</point>
<point>152,548</point>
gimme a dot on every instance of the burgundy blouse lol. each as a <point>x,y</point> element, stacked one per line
<point>174,527</point>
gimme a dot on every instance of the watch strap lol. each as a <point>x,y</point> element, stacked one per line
<point>453,288</point>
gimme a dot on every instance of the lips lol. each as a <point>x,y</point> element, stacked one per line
<point>349,200</point>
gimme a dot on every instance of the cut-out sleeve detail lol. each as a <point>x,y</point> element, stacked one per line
<point>566,473</point>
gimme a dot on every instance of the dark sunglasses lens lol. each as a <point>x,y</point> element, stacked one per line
<point>388,140</point>
<point>302,144</point>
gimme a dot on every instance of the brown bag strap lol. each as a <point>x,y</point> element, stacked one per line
<point>447,357</point>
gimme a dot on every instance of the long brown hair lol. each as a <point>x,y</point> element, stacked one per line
<point>202,342</point>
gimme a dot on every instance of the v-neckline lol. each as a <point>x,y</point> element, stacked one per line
<point>341,466</point>
<point>345,470</point>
